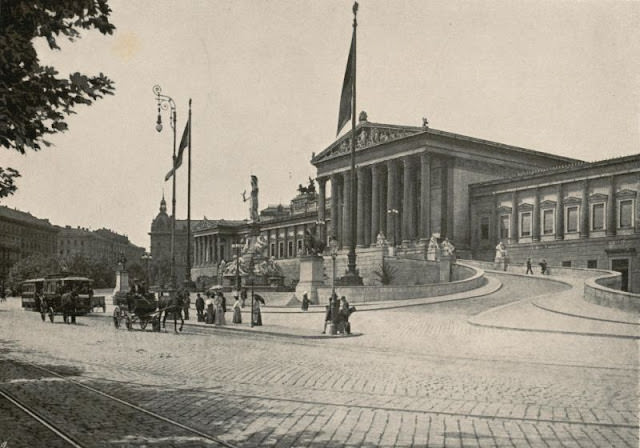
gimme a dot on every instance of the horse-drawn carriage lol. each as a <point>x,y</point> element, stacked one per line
<point>136,307</point>
<point>66,295</point>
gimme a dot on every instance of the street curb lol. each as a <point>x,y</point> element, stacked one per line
<point>583,316</point>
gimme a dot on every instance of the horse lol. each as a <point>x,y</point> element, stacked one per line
<point>68,303</point>
<point>172,305</point>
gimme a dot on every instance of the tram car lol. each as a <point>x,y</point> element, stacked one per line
<point>55,295</point>
<point>31,288</point>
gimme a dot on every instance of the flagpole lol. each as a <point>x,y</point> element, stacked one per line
<point>351,257</point>
<point>188,273</point>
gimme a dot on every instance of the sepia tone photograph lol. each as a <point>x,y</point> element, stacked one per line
<point>319,224</point>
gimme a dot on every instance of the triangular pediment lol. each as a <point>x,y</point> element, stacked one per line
<point>547,204</point>
<point>572,200</point>
<point>525,207</point>
<point>626,193</point>
<point>368,135</point>
<point>598,197</point>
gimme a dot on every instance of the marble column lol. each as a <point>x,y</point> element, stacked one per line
<point>425,196</point>
<point>584,210</point>
<point>346,210</point>
<point>366,207</point>
<point>334,206</point>
<point>513,227</point>
<point>392,201</point>
<point>406,201</point>
<point>560,213</point>
<point>535,216</point>
<point>382,191</point>
<point>360,192</point>
<point>375,205</point>
<point>321,208</point>
<point>611,207</point>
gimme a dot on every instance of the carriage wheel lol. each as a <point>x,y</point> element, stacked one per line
<point>128,322</point>
<point>50,312</point>
<point>143,323</point>
<point>116,317</point>
<point>155,323</point>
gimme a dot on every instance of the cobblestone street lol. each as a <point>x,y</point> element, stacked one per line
<point>418,376</point>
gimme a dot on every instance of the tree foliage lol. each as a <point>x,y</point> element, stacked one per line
<point>34,100</point>
<point>7,181</point>
<point>38,265</point>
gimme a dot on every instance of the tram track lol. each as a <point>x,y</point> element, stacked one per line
<point>44,412</point>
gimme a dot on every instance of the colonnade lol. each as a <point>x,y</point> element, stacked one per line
<point>210,249</point>
<point>393,197</point>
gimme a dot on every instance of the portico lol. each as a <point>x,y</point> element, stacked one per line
<point>412,182</point>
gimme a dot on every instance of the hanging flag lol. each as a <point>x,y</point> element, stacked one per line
<point>346,99</point>
<point>184,142</point>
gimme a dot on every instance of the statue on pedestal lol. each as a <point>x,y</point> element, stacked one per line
<point>501,256</point>
<point>433,250</point>
<point>381,241</point>
<point>448,249</point>
<point>254,216</point>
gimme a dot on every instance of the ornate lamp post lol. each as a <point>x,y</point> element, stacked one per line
<point>165,102</point>
<point>237,246</point>
<point>147,258</point>
<point>333,244</point>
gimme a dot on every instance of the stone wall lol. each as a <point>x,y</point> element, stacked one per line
<point>605,291</point>
<point>291,269</point>
<point>364,294</point>
<point>413,272</point>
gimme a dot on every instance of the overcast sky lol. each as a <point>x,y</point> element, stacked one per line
<point>265,78</point>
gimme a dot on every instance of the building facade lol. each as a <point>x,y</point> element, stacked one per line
<point>412,182</point>
<point>584,215</point>
<point>22,235</point>
<point>101,244</point>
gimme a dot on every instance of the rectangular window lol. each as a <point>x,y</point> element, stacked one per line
<point>626,214</point>
<point>547,222</point>
<point>597,217</point>
<point>281,249</point>
<point>566,264</point>
<point>592,264</point>
<point>572,219</point>
<point>299,246</point>
<point>504,227</point>
<point>272,250</point>
<point>525,224</point>
<point>290,249</point>
<point>484,228</point>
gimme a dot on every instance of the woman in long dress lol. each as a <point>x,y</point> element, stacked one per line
<point>237,314</point>
<point>257,317</point>
<point>210,311</point>
<point>219,320</point>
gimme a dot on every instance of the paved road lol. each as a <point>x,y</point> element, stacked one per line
<point>420,376</point>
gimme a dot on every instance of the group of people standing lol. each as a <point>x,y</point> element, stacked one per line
<point>337,313</point>
<point>212,310</point>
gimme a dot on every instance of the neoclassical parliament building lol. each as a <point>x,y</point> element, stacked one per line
<point>413,182</point>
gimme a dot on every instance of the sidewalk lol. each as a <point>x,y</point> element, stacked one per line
<point>566,313</point>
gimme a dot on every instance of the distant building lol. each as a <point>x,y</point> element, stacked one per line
<point>22,235</point>
<point>101,244</point>
<point>584,215</point>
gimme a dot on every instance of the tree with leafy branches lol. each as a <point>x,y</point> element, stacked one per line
<point>34,100</point>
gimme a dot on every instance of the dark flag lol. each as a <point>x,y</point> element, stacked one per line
<point>346,99</point>
<point>184,142</point>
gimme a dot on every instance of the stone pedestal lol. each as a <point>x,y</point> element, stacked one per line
<point>122,284</point>
<point>311,277</point>
<point>445,268</point>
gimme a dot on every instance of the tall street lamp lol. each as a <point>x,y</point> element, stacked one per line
<point>165,102</point>
<point>147,257</point>
<point>333,244</point>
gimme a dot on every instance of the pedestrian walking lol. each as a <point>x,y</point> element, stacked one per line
<point>257,315</point>
<point>200,307</point>
<point>243,296</point>
<point>211,312</point>
<point>543,266</point>
<point>186,303</point>
<point>217,301</point>
<point>237,311</point>
<point>529,270</point>
<point>344,325</point>
<point>305,301</point>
